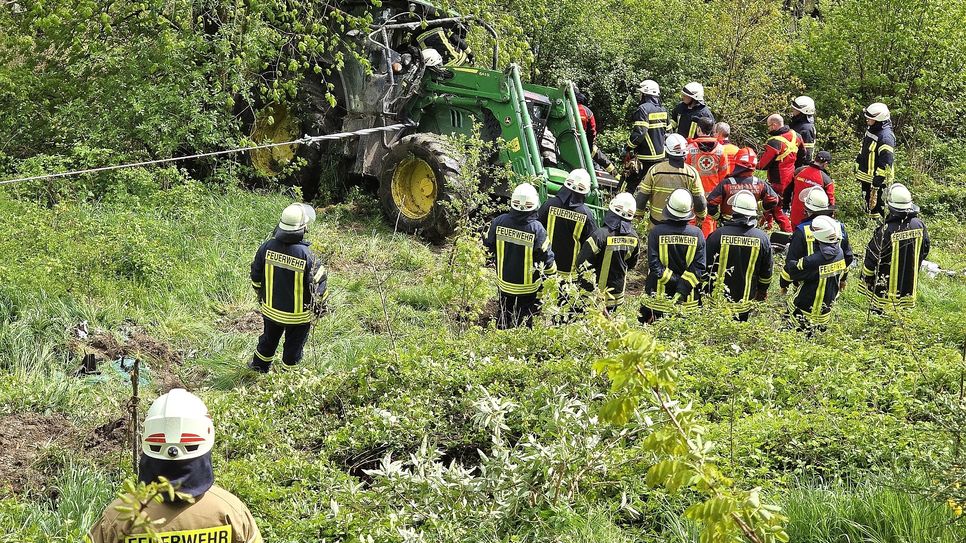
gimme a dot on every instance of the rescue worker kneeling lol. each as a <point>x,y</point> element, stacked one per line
<point>523,256</point>
<point>818,278</point>
<point>612,250</point>
<point>176,444</point>
<point>740,258</point>
<point>290,282</point>
<point>675,260</point>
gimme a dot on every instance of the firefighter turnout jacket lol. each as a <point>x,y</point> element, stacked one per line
<point>569,224</point>
<point>804,126</point>
<point>780,156</point>
<point>217,516</point>
<point>647,134</point>
<point>805,178</point>
<point>743,179</point>
<point>661,181</point>
<point>451,45</point>
<point>612,250</point>
<point>520,243</point>
<point>890,272</point>
<point>803,244</point>
<point>683,118</point>
<point>817,278</point>
<point>676,265</point>
<point>284,273</point>
<point>877,155</point>
<point>739,265</point>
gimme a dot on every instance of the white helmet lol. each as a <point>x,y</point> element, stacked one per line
<point>694,90</point>
<point>804,104</point>
<point>815,199</point>
<point>296,217</point>
<point>877,112</point>
<point>675,145</point>
<point>679,205</point>
<point>826,229</point>
<point>744,203</point>
<point>578,181</point>
<point>431,57</point>
<point>177,427</point>
<point>649,88</point>
<point>624,205</point>
<point>899,197</point>
<point>524,198</point>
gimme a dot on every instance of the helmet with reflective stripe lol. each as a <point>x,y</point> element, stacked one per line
<point>624,205</point>
<point>815,199</point>
<point>877,112</point>
<point>524,198</point>
<point>649,88</point>
<point>694,90</point>
<point>826,229</point>
<point>578,181</point>
<point>177,427</point>
<point>899,197</point>
<point>746,157</point>
<point>804,105</point>
<point>679,205</point>
<point>744,203</point>
<point>296,217</point>
<point>675,145</point>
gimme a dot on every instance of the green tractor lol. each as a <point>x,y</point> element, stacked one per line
<point>538,128</point>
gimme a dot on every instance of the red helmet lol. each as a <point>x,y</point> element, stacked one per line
<point>747,158</point>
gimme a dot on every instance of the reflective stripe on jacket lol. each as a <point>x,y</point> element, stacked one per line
<point>739,264</point>
<point>676,266</point>
<point>520,243</point>
<point>890,272</point>
<point>283,274</point>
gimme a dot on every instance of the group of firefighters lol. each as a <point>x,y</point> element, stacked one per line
<point>707,214</point>
<point>703,205</point>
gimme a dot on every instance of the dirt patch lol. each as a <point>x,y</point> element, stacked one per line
<point>246,323</point>
<point>24,438</point>
<point>111,436</point>
<point>489,314</point>
<point>105,347</point>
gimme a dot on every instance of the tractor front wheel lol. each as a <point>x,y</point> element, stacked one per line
<point>416,186</point>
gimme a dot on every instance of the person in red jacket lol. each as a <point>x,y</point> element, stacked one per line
<point>708,157</point>
<point>813,175</point>
<point>778,159</point>
<point>742,178</point>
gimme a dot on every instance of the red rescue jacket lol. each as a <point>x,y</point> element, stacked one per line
<point>778,158</point>
<point>805,177</point>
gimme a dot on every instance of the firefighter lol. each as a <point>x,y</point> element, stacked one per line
<point>569,222</point>
<point>802,121</point>
<point>675,261</point>
<point>645,146</point>
<point>451,44</point>
<point>816,204</point>
<point>818,277</point>
<point>664,178</point>
<point>690,109</point>
<point>890,273</point>
<point>176,444</point>
<point>291,283</point>
<point>722,131</point>
<point>779,159</point>
<point>874,162</point>
<point>612,250</point>
<point>740,258</point>
<point>707,156</point>
<point>742,178</point>
<point>523,257</point>
<point>813,175</point>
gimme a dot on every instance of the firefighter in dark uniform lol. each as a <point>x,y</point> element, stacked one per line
<point>451,44</point>
<point>523,257</point>
<point>675,261</point>
<point>176,444</point>
<point>803,242</point>
<point>802,121</point>
<point>684,115</point>
<point>818,277</point>
<point>645,146</point>
<point>569,222</point>
<point>740,258</point>
<point>890,273</point>
<point>874,168</point>
<point>291,286</point>
<point>612,250</point>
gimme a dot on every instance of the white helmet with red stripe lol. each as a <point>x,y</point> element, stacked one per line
<point>177,427</point>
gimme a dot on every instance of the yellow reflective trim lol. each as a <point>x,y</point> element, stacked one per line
<point>270,282</point>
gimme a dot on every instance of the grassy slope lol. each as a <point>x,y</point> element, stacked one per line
<point>853,404</point>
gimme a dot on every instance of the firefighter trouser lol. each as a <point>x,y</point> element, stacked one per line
<point>777,213</point>
<point>803,323</point>
<point>517,310</point>
<point>295,337</point>
<point>872,196</point>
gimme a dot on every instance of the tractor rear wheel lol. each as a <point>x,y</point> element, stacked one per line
<point>417,186</point>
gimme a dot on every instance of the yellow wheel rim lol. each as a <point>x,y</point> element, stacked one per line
<point>414,188</point>
<point>274,124</point>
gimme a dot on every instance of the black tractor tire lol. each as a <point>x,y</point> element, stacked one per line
<point>413,202</point>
